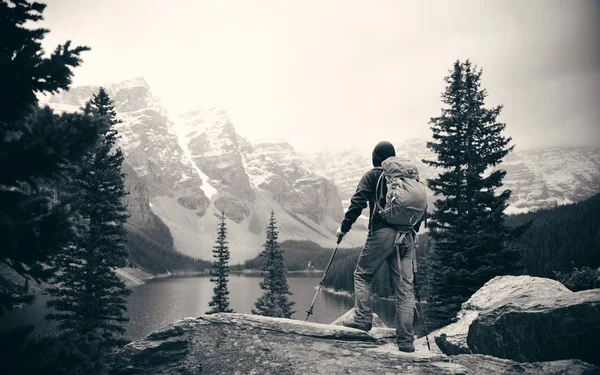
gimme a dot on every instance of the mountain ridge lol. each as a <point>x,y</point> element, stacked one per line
<point>196,165</point>
<point>537,178</point>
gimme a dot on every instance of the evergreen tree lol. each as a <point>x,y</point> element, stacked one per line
<point>87,294</point>
<point>38,207</point>
<point>472,243</point>
<point>220,271</point>
<point>274,301</point>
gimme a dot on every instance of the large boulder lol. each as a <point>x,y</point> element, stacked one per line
<point>527,319</point>
<point>541,328</point>
<point>250,344</point>
<point>452,339</point>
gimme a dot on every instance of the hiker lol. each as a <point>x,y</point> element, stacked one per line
<point>381,245</point>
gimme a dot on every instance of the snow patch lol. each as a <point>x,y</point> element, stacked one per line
<point>179,131</point>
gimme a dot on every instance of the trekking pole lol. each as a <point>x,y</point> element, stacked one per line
<point>421,314</point>
<point>418,297</point>
<point>309,312</point>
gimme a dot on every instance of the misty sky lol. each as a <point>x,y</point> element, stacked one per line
<point>329,74</point>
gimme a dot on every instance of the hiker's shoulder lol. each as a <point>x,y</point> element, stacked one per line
<point>375,171</point>
<point>372,173</point>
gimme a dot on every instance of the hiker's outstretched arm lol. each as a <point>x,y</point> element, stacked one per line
<point>359,201</point>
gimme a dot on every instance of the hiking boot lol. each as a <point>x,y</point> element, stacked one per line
<point>407,350</point>
<point>362,327</point>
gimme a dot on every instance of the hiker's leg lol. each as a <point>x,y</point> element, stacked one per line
<point>402,279</point>
<point>378,246</point>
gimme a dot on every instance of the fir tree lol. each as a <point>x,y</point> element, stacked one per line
<point>274,301</point>
<point>472,243</point>
<point>38,206</point>
<point>220,271</point>
<point>87,294</point>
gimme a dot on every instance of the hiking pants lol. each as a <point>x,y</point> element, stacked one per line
<point>381,246</point>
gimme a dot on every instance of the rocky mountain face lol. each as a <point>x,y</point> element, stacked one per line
<point>194,166</point>
<point>277,169</point>
<point>544,178</point>
<point>148,142</point>
<point>137,200</point>
<point>537,178</point>
<point>213,147</point>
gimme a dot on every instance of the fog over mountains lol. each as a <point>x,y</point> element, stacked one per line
<point>192,166</point>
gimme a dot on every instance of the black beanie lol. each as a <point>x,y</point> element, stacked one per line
<point>382,151</point>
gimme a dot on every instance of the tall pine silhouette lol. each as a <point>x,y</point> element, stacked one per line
<point>274,300</point>
<point>38,209</point>
<point>87,294</point>
<point>219,272</point>
<point>472,243</point>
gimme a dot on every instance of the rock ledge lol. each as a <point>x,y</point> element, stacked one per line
<point>250,344</point>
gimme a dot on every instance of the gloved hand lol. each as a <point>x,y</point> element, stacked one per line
<point>339,233</point>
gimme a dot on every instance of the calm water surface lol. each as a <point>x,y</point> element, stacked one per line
<point>161,302</point>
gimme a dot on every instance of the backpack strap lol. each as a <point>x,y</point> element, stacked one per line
<point>378,196</point>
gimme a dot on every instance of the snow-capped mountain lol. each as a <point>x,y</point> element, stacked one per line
<point>196,166</point>
<point>555,176</point>
<point>537,178</point>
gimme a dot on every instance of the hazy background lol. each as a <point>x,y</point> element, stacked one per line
<point>328,74</point>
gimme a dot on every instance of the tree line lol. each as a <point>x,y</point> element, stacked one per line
<point>560,239</point>
<point>299,255</point>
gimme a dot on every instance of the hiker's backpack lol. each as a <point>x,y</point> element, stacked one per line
<point>406,197</point>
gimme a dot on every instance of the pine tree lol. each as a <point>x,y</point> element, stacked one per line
<point>87,294</point>
<point>38,207</point>
<point>274,301</point>
<point>472,243</point>
<point>220,271</point>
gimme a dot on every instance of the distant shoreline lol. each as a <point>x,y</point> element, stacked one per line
<point>136,276</point>
<point>259,272</point>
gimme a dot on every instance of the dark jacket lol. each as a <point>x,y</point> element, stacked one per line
<point>365,195</point>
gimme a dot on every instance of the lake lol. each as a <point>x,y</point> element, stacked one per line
<point>162,301</point>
